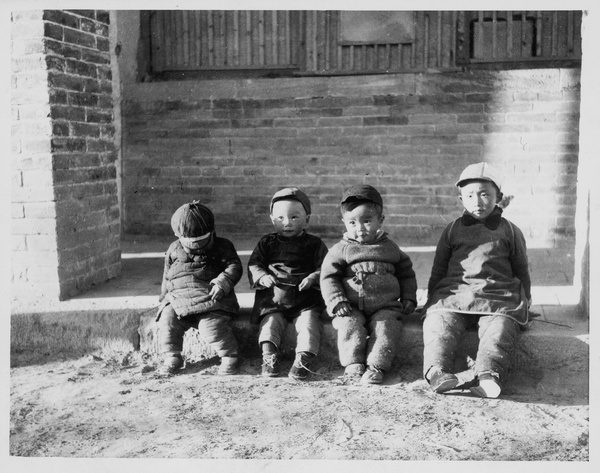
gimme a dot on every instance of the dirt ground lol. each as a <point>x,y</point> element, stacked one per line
<point>118,406</point>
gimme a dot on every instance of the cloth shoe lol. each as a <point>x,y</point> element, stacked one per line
<point>372,375</point>
<point>442,382</point>
<point>172,363</point>
<point>229,365</point>
<point>354,370</point>
<point>270,365</point>
<point>488,386</point>
<point>300,368</point>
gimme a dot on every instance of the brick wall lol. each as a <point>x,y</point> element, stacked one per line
<point>233,143</point>
<point>65,226</point>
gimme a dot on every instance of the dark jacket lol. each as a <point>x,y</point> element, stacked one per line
<point>481,268</point>
<point>290,260</point>
<point>188,279</point>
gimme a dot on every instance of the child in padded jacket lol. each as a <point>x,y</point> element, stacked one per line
<point>367,283</point>
<point>284,269</point>
<point>480,276</point>
<point>200,272</point>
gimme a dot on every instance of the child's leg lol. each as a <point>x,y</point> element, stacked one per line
<point>498,336</point>
<point>352,337</point>
<point>384,335</point>
<point>171,330</point>
<point>441,334</point>
<point>214,328</point>
<point>271,331</point>
<point>308,331</point>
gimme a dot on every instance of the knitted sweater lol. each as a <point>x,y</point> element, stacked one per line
<point>481,268</point>
<point>188,279</point>
<point>368,276</point>
<point>290,260</point>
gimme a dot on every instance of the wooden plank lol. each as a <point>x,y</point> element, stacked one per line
<point>261,38</point>
<point>275,37</point>
<point>577,16</point>
<point>179,40</point>
<point>185,37</point>
<point>157,40</point>
<point>554,33</point>
<point>211,42</point>
<point>570,30</point>
<point>439,39</point>
<point>236,38</point>
<point>248,38</point>
<point>494,34</point>
<point>509,34</point>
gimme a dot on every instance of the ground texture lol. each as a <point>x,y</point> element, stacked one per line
<point>119,405</point>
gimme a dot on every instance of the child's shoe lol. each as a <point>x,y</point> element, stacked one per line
<point>354,370</point>
<point>172,362</point>
<point>300,368</point>
<point>442,382</point>
<point>372,375</point>
<point>229,365</point>
<point>488,386</point>
<point>270,365</point>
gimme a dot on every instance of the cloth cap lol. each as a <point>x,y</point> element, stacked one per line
<point>291,193</point>
<point>363,192</point>
<point>192,221</point>
<point>480,171</point>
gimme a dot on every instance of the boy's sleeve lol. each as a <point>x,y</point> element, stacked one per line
<point>166,267</point>
<point>332,271</point>
<point>440,262</point>
<point>258,264</point>
<point>407,278</point>
<point>320,254</point>
<point>520,262</point>
<point>233,268</point>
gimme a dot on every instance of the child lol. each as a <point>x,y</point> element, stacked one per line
<point>367,283</point>
<point>200,272</point>
<point>284,269</point>
<point>480,275</point>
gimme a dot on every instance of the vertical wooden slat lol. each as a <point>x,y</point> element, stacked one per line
<point>538,34</point>
<point>522,50</point>
<point>494,33</point>
<point>426,42</point>
<point>248,38</point>
<point>351,58</point>
<point>275,37</point>
<point>577,33</point>
<point>211,43</point>
<point>185,37</point>
<point>554,33</point>
<point>479,33</point>
<point>453,30</point>
<point>157,39</point>
<point>261,38</point>
<point>236,38</point>
<point>179,38</point>
<point>327,40</point>
<point>439,40</point>
<point>509,33</point>
<point>570,30</point>
<point>288,37</point>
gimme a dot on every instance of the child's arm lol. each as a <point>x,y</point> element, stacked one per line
<point>225,282</point>
<point>313,278</point>
<point>166,267</point>
<point>439,269</point>
<point>332,290</point>
<point>258,264</point>
<point>408,283</point>
<point>520,262</point>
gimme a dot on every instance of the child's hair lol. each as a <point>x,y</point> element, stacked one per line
<point>350,204</point>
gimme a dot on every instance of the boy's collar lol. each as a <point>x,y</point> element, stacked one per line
<point>380,236</point>
<point>492,221</point>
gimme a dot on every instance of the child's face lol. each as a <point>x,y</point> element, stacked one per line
<point>289,218</point>
<point>363,223</point>
<point>198,246</point>
<point>479,198</point>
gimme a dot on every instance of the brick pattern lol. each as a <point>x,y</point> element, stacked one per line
<point>64,175</point>
<point>232,144</point>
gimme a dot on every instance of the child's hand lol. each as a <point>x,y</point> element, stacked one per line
<point>267,281</point>
<point>343,309</point>
<point>305,284</point>
<point>408,307</point>
<point>216,293</point>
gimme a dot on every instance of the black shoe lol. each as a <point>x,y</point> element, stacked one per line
<point>442,382</point>
<point>300,368</point>
<point>372,375</point>
<point>270,365</point>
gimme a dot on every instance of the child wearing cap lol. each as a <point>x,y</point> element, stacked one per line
<point>480,276</point>
<point>284,269</point>
<point>367,283</point>
<point>200,272</point>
